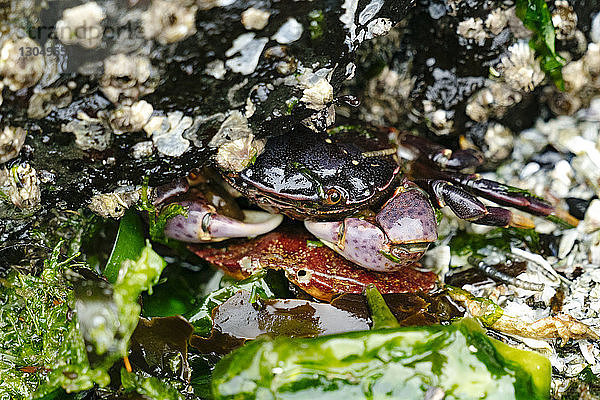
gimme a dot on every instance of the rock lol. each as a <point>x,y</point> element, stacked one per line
<point>592,217</point>
<point>11,141</point>
<point>577,207</point>
<point>255,19</point>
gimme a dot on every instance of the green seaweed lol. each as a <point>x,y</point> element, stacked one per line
<point>386,363</point>
<point>40,346</point>
<point>128,244</point>
<point>149,386</point>
<point>500,238</point>
<point>536,17</point>
<point>157,219</point>
<point>381,315</point>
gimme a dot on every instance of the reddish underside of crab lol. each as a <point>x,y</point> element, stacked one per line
<point>316,269</point>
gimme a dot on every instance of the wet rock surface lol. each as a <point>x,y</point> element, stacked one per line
<point>202,68</point>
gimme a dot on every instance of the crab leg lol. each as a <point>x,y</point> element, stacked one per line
<point>468,207</point>
<point>428,154</point>
<point>497,192</point>
<point>439,155</point>
<point>164,192</point>
<point>203,224</point>
<point>510,196</point>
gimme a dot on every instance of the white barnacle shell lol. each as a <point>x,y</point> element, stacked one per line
<point>249,49</point>
<point>289,32</point>
<point>254,18</point>
<point>519,69</point>
<point>169,21</point>
<point>11,142</point>
<point>167,133</point>
<point>81,25</point>
<point>20,71</point>
<point>21,186</point>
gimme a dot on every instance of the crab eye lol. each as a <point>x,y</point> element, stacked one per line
<point>333,196</point>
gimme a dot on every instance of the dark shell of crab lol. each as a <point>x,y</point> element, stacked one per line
<point>324,175</point>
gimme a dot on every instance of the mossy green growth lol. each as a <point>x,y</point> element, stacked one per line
<point>400,363</point>
<point>499,238</point>
<point>157,220</point>
<point>40,345</point>
<point>290,104</point>
<point>316,25</point>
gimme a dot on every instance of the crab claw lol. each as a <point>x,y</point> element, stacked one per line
<point>203,224</point>
<point>398,236</point>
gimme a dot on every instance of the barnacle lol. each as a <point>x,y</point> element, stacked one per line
<point>82,25</point>
<point>18,68</point>
<point>519,68</point>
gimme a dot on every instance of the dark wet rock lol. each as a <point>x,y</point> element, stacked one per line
<point>549,244</point>
<point>442,61</point>
<point>159,347</point>
<point>473,275</point>
<point>457,68</point>
<point>585,9</point>
<point>202,74</point>
<point>578,207</point>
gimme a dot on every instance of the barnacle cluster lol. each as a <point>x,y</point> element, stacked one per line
<point>18,68</point>
<point>44,101</point>
<point>167,133</point>
<point>519,68</point>
<point>11,141</point>
<point>126,78</point>
<point>21,186</point>
<point>169,21</point>
<point>186,83</point>
<point>130,118</point>
<point>91,133</point>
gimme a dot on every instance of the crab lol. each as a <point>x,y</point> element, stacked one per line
<point>369,195</point>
